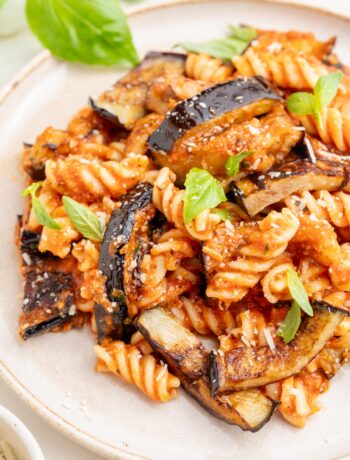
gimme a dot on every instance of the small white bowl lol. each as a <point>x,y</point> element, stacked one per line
<point>18,437</point>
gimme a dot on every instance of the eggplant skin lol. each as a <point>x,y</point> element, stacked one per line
<point>248,367</point>
<point>112,321</point>
<point>330,308</point>
<point>207,105</point>
<point>29,247</point>
<point>188,359</point>
<point>257,192</point>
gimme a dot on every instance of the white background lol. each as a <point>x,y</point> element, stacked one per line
<point>15,51</point>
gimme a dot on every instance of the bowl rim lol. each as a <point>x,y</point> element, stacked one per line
<point>9,420</point>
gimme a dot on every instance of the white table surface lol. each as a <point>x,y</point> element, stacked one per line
<point>15,52</point>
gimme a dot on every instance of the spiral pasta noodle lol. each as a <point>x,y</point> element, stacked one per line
<point>194,313</point>
<point>333,127</point>
<point>287,69</point>
<point>254,258</point>
<point>128,363</point>
<point>332,207</point>
<point>207,68</point>
<point>169,200</point>
<point>340,271</point>
<point>165,256</point>
<point>174,246</point>
<point>89,180</point>
<point>321,283</point>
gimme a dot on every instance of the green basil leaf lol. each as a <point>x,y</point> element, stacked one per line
<point>93,32</point>
<point>42,216</point>
<point>243,33</point>
<point>224,214</point>
<point>326,88</point>
<point>301,103</point>
<point>298,292</point>
<point>202,192</point>
<point>290,324</point>
<point>2,2</point>
<point>224,48</point>
<point>32,188</point>
<point>233,163</point>
<point>84,220</point>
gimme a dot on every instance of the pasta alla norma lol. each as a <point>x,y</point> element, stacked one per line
<point>202,196</point>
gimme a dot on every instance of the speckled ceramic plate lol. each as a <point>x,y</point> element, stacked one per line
<point>54,373</point>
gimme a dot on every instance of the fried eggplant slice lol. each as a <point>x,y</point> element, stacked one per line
<point>125,102</point>
<point>213,105</point>
<point>48,301</point>
<point>207,129</point>
<point>187,357</point>
<point>183,350</point>
<point>112,317</point>
<point>257,192</point>
<point>49,291</point>
<point>248,367</point>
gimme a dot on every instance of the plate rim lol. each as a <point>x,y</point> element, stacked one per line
<point>56,421</point>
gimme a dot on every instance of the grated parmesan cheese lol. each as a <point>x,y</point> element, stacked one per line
<point>269,339</point>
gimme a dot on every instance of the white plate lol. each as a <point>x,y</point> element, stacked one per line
<point>54,373</point>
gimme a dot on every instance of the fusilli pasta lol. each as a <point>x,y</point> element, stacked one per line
<point>89,179</point>
<point>266,241</point>
<point>169,200</point>
<point>195,314</point>
<point>333,127</point>
<point>286,69</point>
<point>128,363</point>
<point>207,68</point>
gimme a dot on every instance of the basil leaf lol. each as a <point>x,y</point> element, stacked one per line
<point>298,292</point>
<point>326,89</point>
<point>2,2</point>
<point>202,192</point>
<point>32,189</point>
<point>233,163</point>
<point>41,215</point>
<point>301,103</point>
<point>224,214</point>
<point>224,48</point>
<point>93,32</point>
<point>84,220</point>
<point>290,324</point>
<point>244,33</point>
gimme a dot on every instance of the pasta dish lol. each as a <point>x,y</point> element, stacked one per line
<point>202,197</point>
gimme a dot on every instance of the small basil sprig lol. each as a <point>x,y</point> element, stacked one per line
<point>233,163</point>
<point>41,215</point>
<point>224,48</point>
<point>89,31</point>
<point>291,322</point>
<point>84,220</point>
<point>244,33</point>
<point>202,192</point>
<point>324,92</point>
